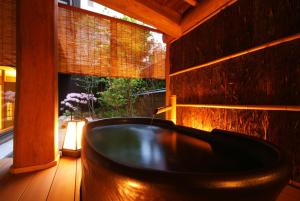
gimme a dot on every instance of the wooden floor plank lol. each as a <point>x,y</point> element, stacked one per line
<point>40,185</point>
<point>13,186</point>
<point>78,180</point>
<point>62,183</point>
<point>63,186</point>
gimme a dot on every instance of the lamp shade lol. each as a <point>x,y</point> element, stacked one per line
<point>72,141</point>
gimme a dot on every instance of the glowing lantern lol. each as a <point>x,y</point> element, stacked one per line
<point>72,142</point>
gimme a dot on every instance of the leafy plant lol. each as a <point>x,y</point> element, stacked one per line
<point>74,102</point>
<point>90,85</point>
<point>121,94</point>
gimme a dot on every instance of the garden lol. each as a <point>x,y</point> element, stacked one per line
<point>97,97</point>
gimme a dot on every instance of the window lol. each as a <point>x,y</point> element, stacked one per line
<point>9,111</point>
<point>7,100</point>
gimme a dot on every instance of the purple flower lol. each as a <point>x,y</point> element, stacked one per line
<point>74,100</point>
<point>9,96</point>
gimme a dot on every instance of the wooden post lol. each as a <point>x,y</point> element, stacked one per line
<point>173,110</point>
<point>36,102</point>
<point>168,92</point>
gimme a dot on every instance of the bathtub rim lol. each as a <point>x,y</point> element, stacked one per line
<point>277,173</point>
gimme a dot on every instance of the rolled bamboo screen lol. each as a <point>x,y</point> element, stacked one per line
<point>8,33</point>
<point>92,44</point>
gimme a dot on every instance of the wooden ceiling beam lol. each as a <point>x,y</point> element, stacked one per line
<point>158,16</point>
<point>191,2</point>
<point>163,10</point>
<point>202,12</point>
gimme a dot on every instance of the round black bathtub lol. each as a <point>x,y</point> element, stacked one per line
<point>144,159</point>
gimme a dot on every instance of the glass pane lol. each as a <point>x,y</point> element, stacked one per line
<point>7,100</point>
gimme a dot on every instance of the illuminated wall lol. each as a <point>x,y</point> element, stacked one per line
<point>7,101</point>
<point>247,54</point>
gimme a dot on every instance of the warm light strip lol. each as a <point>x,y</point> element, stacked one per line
<point>162,110</point>
<point>246,107</point>
<point>266,45</point>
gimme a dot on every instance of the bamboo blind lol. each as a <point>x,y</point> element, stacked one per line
<point>92,44</point>
<point>8,33</point>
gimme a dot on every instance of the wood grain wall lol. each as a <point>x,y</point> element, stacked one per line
<point>270,76</point>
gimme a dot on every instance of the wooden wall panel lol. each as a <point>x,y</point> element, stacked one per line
<point>242,25</point>
<point>269,76</point>
<point>266,77</point>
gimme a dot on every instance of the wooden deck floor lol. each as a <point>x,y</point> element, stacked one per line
<point>62,183</point>
<point>59,183</point>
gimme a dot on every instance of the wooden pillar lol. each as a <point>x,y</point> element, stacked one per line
<point>36,98</point>
<point>168,92</point>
